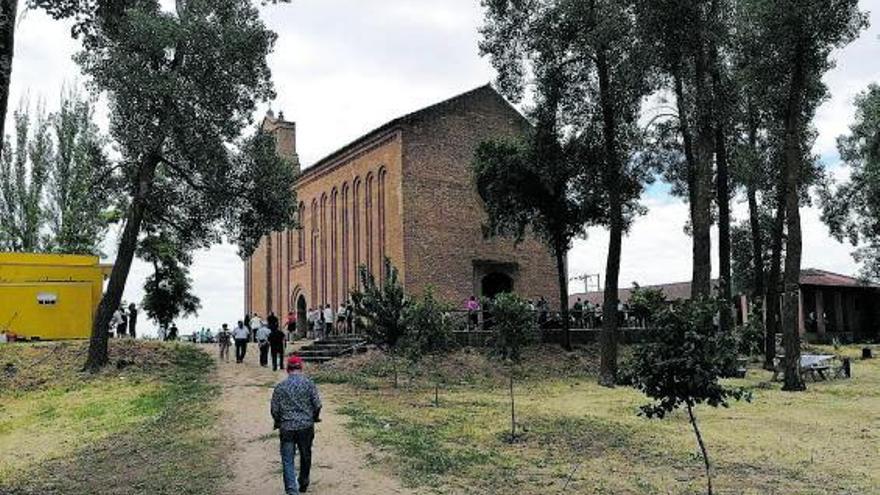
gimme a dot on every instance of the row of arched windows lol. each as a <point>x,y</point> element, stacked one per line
<point>346,229</point>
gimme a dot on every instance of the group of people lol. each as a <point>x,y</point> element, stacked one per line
<point>268,336</point>
<point>124,322</point>
<point>324,322</point>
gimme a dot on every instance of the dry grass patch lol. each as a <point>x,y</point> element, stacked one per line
<point>589,439</point>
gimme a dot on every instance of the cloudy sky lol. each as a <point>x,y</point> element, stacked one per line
<point>342,67</point>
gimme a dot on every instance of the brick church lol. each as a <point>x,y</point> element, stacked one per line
<point>404,191</point>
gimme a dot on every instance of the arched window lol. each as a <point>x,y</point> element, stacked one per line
<point>344,265</point>
<point>323,243</point>
<point>356,228</point>
<point>334,247</point>
<point>279,273</point>
<point>268,273</point>
<point>368,221</point>
<point>301,234</point>
<point>381,208</point>
<point>314,250</point>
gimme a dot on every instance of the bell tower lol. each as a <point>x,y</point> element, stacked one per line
<point>285,136</point>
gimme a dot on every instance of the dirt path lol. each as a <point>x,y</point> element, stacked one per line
<point>339,466</point>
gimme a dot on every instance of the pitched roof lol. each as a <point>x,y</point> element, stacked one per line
<point>442,106</point>
<point>682,290</point>
<point>815,276</point>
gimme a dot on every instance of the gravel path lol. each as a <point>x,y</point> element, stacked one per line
<point>339,466</point>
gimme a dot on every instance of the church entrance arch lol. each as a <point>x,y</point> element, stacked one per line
<point>496,283</point>
<point>302,323</point>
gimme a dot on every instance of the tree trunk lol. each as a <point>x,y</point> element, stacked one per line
<point>98,355</point>
<point>722,181</point>
<point>791,307</point>
<point>704,149</point>
<point>8,11</point>
<point>560,253</point>
<point>723,192</point>
<point>771,303</point>
<point>608,362</point>
<point>693,419</point>
<point>512,410</point>
<point>758,294</point>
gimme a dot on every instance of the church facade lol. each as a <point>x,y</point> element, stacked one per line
<point>404,191</point>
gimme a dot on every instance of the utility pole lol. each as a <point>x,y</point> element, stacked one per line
<point>586,279</point>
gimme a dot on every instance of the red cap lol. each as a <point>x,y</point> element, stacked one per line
<point>294,362</point>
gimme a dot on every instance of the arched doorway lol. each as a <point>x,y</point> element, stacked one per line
<point>302,323</point>
<point>496,283</point>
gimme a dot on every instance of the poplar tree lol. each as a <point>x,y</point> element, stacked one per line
<point>798,38</point>
<point>182,85</point>
<point>590,52</point>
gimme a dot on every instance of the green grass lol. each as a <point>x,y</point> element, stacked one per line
<point>143,429</point>
<point>590,439</point>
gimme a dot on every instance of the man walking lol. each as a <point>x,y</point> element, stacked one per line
<point>276,347</point>
<point>296,407</point>
<point>223,340</point>
<point>241,335</point>
<point>262,336</point>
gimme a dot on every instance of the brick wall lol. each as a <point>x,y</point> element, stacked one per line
<point>443,214</point>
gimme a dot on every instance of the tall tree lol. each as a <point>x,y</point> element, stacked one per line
<point>589,50</point>
<point>168,290</point>
<point>8,15</point>
<point>24,172</point>
<point>56,184</point>
<point>182,85</point>
<point>82,194</point>
<point>798,38</point>
<point>685,36</point>
<point>852,210</point>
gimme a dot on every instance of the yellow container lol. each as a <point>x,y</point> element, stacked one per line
<point>50,296</point>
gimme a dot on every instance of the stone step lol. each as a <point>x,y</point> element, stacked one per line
<point>316,359</point>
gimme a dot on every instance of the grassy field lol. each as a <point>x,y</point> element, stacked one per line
<point>582,438</point>
<point>142,426</point>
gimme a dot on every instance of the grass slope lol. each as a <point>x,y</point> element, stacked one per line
<point>142,426</point>
<point>582,438</point>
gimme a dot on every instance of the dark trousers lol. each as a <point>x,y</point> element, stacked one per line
<point>264,355</point>
<point>277,358</point>
<point>302,441</point>
<point>240,349</point>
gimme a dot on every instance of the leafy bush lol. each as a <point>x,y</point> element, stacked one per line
<point>646,302</point>
<point>428,335</point>
<point>380,308</point>
<point>750,337</point>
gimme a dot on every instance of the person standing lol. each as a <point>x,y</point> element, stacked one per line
<point>319,324</point>
<point>473,311</point>
<point>276,348</point>
<point>295,408</point>
<point>290,326</point>
<point>272,320</point>
<point>172,333</point>
<point>349,317</point>
<point>132,320</point>
<point>223,340</point>
<point>241,335</point>
<point>262,336</point>
<point>328,321</point>
<point>340,319</point>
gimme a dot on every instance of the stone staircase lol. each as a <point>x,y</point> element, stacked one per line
<point>331,347</point>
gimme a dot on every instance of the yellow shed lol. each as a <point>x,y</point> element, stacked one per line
<point>50,296</point>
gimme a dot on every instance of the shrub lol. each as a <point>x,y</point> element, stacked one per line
<point>513,326</point>
<point>683,362</point>
<point>428,334</point>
